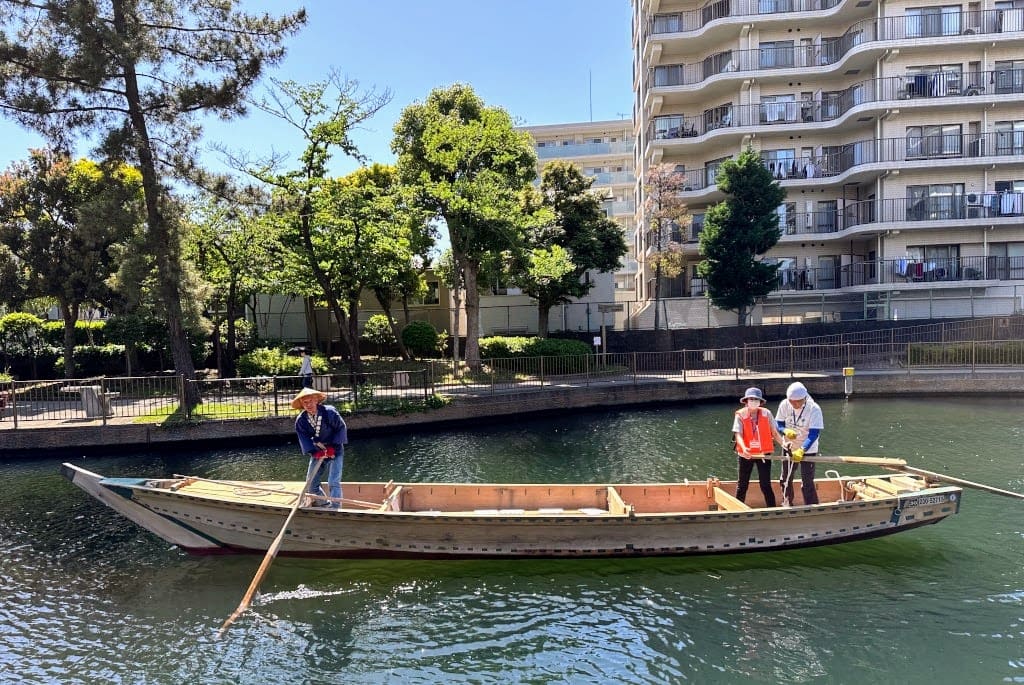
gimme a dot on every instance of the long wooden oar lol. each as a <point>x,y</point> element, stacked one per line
<point>268,558</point>
<point>869,461</point>
<point>959,481</point>
<point>901,465</point>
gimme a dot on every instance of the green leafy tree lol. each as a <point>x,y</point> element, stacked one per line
<point>665,212</point>
<point>238,253</point>
<point>573,237</point>
<point>378,330</point>
<point>306,199</point>
<point>467,166</point>
<point>132,75</point>
<point>739,230</point>
<point>62,220</point>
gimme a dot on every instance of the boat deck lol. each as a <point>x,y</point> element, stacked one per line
<point>534,500</point>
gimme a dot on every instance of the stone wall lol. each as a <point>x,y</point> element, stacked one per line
<point>74,441</point>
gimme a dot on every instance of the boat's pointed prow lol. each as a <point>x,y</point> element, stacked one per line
<point>159,525</point>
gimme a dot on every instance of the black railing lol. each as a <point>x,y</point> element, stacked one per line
<point>931,85</point>
<point>832,50</point>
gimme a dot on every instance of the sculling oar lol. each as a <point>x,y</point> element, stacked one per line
<point>268,558</point>
<point>869,461</point>
<point>901,465</point>
<point>959,481</point>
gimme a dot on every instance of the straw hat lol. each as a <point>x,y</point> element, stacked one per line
<point>308,392</point>
<point>752,394</point>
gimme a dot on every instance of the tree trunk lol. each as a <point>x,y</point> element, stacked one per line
<point>353,329</point>
<point>163,242</point>
<point>469,274</point>
<point>232,341</point>
<point>395,331</point>
<point>69,313</point>
<point>543,312</point>
<point>457,305</point>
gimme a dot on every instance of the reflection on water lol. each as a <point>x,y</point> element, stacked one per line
<point>90,598</point>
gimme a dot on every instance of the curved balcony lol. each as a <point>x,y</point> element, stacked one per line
<point>694,20</point>
<point>584,149</point>
<point>949,272</point>
<point>831,51</point>
<point>840,160</point>
<point>919,88</point>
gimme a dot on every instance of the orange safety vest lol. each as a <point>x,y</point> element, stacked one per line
<point>758,439</point>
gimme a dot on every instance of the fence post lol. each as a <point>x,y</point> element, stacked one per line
<point>792,372</point>
<point>974,355</point>
<point>542,371</point>
<point>274,379</point>
<point>586,367</point>
<point>186,411</point>
<point>491,366</point>
<point>14,402</point>
<point>427,376</point>
<point>684,366</point>
<point>736,353</point>
<point>908,358</point>
<point>849,355</point>
<point>102,399</point>
<point>634,368</point>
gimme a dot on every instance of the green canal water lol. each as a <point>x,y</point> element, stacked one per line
<point>89,598</point>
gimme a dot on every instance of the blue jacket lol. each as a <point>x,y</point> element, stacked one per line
<point>333,431</point>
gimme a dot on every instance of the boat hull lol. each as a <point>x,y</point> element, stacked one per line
<point>509,521</point>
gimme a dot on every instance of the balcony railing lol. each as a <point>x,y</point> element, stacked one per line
<point>827,108</point>
<point>903,271</point>
<point>694,20</point>
<point>613,178</point>
<point>583,149</point>
<point>837,160</point>
<point>831,50</point>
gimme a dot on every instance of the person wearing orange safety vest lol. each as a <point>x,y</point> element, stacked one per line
<point>754,431</point>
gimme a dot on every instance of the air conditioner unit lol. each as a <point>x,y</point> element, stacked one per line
<point>974,198</point>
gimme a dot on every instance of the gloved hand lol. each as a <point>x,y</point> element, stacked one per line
<point>798,454</point>
<point>789,434</point>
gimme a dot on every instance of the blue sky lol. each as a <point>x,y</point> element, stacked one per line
<point>543,61</point>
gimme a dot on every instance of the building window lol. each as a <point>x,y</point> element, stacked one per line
<point>936,202</point>
<point>1009,76</point>
<point>776,55</point>
<point>1010,137</point>
<point>933,21</point>
<point>943,140</point>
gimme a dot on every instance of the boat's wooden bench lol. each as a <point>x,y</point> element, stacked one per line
<point>881,488</point>
<point>393,501</point>
<point>727,502</point>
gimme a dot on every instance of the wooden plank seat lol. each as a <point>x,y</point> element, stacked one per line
<point>727,502</point>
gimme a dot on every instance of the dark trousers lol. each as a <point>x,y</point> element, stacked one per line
<point>807,488</point>
<point>764,479</point>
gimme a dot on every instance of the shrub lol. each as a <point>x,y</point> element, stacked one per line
<point>378,330</point>
<point>420,337</point>
<point>21,333</point>
<point>526,353</point>
<point>53,331</point>
<point>95,360</point>
<point>273,361</point>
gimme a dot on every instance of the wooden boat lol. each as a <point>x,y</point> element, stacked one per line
<point>474,520</point>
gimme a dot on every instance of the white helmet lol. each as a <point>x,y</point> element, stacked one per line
<point>796,391</point>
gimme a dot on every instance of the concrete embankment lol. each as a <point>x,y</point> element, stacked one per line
<point>32,439</point>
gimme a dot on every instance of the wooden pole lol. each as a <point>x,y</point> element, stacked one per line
<point>268,558</point>
<point>869,461</point>
<point>959,481</point>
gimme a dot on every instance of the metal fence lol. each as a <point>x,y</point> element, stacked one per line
<point>157,400</point>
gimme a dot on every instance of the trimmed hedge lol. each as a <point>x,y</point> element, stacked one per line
<point>53,333</point>
<point>273,361</point>
<point>521,354</point>
<point>94,360</point>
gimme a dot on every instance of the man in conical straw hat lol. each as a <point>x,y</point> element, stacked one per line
<point>322,435</point>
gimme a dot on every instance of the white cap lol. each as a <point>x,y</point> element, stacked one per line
<point>796,391</point>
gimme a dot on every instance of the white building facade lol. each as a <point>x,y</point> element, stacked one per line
<point>895,128</point>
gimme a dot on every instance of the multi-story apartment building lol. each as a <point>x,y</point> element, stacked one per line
<point>896,129</point>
